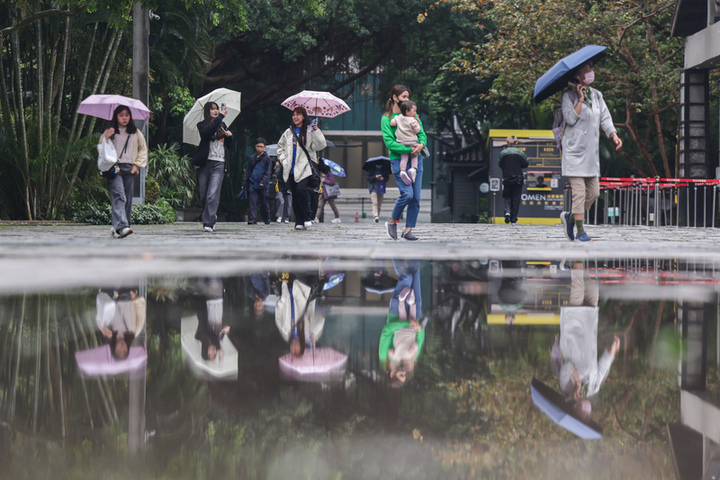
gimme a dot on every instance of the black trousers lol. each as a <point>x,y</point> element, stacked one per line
<point>300,200</point>
<point>512,193</point>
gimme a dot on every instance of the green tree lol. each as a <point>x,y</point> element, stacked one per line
<point>639,78</point>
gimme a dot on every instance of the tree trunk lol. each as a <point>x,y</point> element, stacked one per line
<point>82,88</point>
<point>22,133</point>
<point>4,100</point>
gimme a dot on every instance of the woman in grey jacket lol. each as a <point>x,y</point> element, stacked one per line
<point>585,113</point>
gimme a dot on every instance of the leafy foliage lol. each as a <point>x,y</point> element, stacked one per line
<point>175,172</point>
<point>143,214</point>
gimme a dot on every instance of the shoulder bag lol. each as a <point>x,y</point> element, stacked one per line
<point>314,180</point>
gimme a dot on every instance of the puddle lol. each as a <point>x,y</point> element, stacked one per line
<point>405,368</point>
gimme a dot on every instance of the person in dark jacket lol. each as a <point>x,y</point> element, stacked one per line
<point>257,182</point>
<point>512,162</point>
<point>378,174</point>
<point>211,160</point>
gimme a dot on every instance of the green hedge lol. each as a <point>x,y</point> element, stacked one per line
<point>145,214</point>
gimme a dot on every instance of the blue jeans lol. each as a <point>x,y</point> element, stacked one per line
<point>409,194</point>
<point>210,179</point>
<point>408,272</point>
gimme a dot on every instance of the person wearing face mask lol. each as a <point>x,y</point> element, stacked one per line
<point>585,113</point>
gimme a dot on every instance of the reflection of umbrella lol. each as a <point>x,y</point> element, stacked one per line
<point>370,162</point>
<point>555,79</point>
<point>225,368</point>
<point>336,169</point>
<point>103,106</point>
<point>100,362</point>
<point>554,406</point>
<point>319,104</point>
<point>333,281</point>
<point>230,98</point>
<point>317,364</point>
<point>379,283</point>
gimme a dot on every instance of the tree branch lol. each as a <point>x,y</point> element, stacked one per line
<point>28,20</point>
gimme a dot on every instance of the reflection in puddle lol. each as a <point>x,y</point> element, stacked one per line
<point>492,369</point>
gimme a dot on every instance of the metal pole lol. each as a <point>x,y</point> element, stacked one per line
<point>695,195</point>
<point>647,208</point>
<point>713,208</point>
<point>656,218</point>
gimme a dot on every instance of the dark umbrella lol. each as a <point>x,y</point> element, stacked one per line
<point>553,405</point>
<point>556,79</point>
<point>379,283</point>
<point>370,162</point>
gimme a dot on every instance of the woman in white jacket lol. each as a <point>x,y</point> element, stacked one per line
<point>585,113</point>
<point>296,166</point>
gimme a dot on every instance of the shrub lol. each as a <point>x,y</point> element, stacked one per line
<point>152,190</point>
<point>144,214</point>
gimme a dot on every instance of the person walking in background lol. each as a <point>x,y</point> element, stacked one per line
<point>130,144</point>
<point>329,189</point>
<point>211,160</point>
<point>409,194</point>
<point>378,174</point>
<point>408,126</point>
<point>585,113</point>
<point>282,195</point>
<point>257,182</point>
<point>296,149</point>
<point>512,162</point>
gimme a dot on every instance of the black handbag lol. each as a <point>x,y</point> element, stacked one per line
<point>314,180</point>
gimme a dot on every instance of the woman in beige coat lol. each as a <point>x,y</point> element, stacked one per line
<point>295,163</point>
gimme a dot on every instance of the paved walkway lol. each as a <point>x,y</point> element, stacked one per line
<point>34,257</point>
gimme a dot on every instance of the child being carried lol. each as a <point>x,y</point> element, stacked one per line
<point>408,127</point>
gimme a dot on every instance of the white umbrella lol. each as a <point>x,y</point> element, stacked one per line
<point>230,98</point>
<point>318,104</point>
<point>220,369</point>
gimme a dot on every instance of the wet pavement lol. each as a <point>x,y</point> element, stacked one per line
<point>480,351</point>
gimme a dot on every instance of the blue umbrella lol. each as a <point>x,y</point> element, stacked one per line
<point>336,169</point>
<point>553,404</point>
<point>333,281</point>
<point>555,79</point>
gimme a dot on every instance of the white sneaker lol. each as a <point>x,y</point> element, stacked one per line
<point>316,220</point>
<point>287,221</point>
<point>335,220</point>
<point>279,220</point>
<point>208,229</point>
<point>307,224</point>
<point>412,173</point>
<point>113,233</point>
<point>125,232</point>
<point>377,219</point>
<point>299,227</point>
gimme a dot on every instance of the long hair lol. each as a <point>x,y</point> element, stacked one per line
<point>128,336</point>
<point>397,90</point>
<point>208,119</point>
<point>131,128</point>
<point>304,126</point>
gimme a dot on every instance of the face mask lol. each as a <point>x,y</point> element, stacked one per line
<point>589,77</point>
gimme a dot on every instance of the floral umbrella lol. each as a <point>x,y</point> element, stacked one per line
<point>318,104</point>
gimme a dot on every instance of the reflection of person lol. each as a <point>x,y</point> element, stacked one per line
<point>540,182</point>
<point>511,295</point>
<point>408,126</point>
<point>580,372</point>
<point>585,113</point>
<point>121,318</point>
<point>378,174</point>
<point>293,143</point>
<point>409,194</point>
<point>512,161</point>
<point>211,161</point>
<point>257,182</point>
<point>131,148</point>
<point>403,336</point>
<point>258,290</point>
<point>295,315</point>
<point>207,301</point>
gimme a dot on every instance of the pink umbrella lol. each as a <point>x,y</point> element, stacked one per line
<point>315,365</point>
<point>103,106</point>
<point>318,104</point>
<point>100,362</point>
